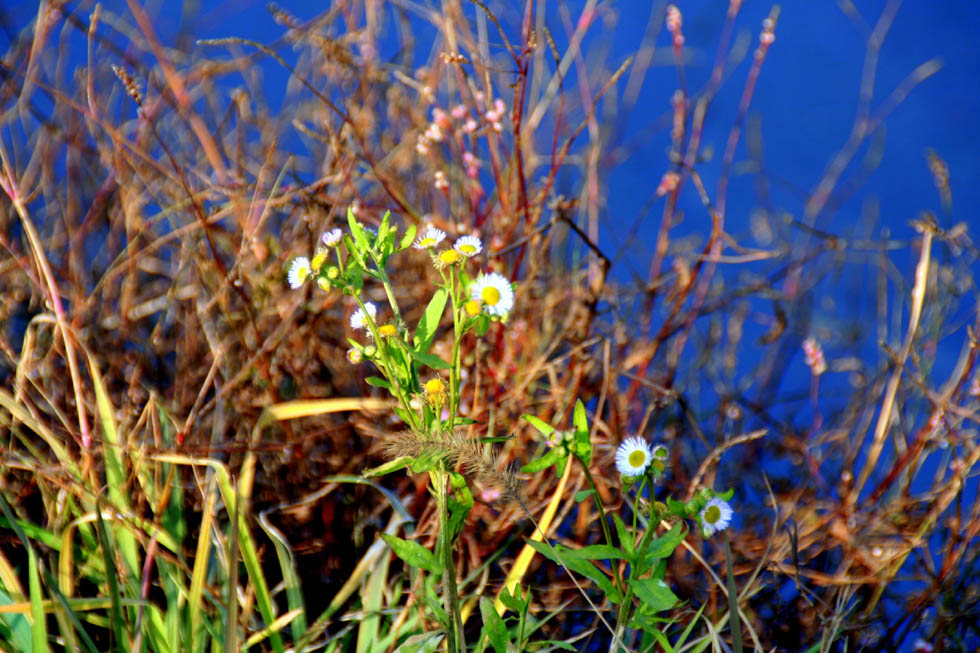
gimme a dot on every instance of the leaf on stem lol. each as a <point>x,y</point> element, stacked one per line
<point>413,553</point>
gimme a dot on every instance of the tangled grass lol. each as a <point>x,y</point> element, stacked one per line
<point>153,361</point>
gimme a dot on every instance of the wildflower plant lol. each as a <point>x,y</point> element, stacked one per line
<point>426,388</point>
<point>635,582</point>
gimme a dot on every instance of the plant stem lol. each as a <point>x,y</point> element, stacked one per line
<point>733,617</point>
<point>457,340</point>
<point>445,546</point>
<point>623,617</point>
<point>623,610</point>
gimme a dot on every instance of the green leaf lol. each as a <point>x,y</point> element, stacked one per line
<point>408,238</point>
<point>482,324</point>
<point>597,552</point>
<point>430,360</point>
<point>582,495</point>
<point>663,546</point>
<point>460,504</point>
<point>354,277</point>
<point>625,538</point>
<point>583,447</point>
<point>384,227</point>
<point>429,321</point>
<point>544,462</point>
<point>579,418</point>
<point>516,602</point>
<point>579,566</point>
<point>654,593</point>
<point>357,231</point>
<point>413,553</point>
<point>388,467</point>
<point>678,508</point>
<point>493,626</point>
<point>726,495</point>
<point>543,427</point>
<point>378,382</point>
<point>433,603</point>
<point>560,467</point>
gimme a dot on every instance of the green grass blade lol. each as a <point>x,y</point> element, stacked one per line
<point>287,564</point>
<point>116,621</point>
<point>39,628</point>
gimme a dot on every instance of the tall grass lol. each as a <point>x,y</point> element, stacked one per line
<point>183,439</point>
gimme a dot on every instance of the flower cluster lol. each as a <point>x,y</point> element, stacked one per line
<point>345,259</point>
<point>635,458</point>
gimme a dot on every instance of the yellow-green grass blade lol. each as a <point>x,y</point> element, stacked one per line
<point>19,413</point>
<point>244,539</point>
<point>378,550</point>
<point>198,574</point>
<point>113,444</point>
<point>294,593</point>
<point>371,594</point>
<point>116,620</point>
<point>39,627</point>
<point>66,563</point>
<point>17,625</point>
<point>276,626</point>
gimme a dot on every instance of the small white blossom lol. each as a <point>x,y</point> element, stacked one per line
<point>430,238</point>
<point>299,271</point>
<point>332,237</point>
<point>494,292</point>
<point>358,320</point>
<point>715,516</point>
<point>633,457</point>
<point>468,246</point>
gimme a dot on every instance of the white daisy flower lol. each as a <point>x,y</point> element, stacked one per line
<point>633,457</point>
<point>494,292</point>
<point>468,246</point>
<point>359,320</point>
<point>715,516</point>
<point>299,271</point>
<point>332,237</point>
<point>430,238</point>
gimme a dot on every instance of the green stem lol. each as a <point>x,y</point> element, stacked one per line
<point>457,340</point>
<point>391,297</point>
<point>387,366</point>
<point>623,617</point>
<point>733,617</point>
<point>602,513</point>
<point>445,546</point>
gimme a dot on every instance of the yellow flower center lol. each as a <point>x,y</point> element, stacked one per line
<point>490,296</point>
<point>427,242</point>
<point>712,514</point>
<point>387,330</point>
<point>472,307</point>
<point>435,386</point>
<point>467,249</point>
<point>449,256</point>
<point>302,272</point>
<point>637,458</point>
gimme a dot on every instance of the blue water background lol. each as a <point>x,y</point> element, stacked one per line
<point>805,100</point>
